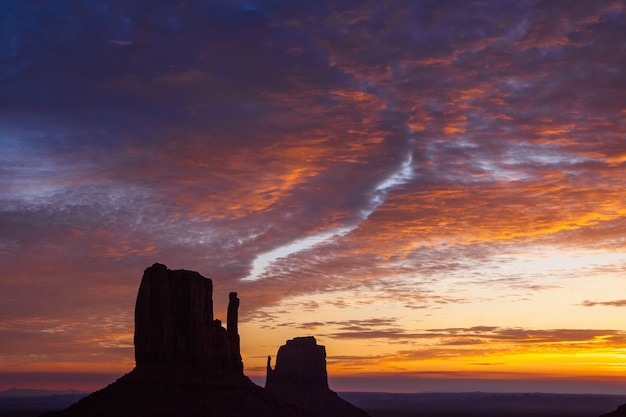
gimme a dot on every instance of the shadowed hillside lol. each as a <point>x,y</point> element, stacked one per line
<point>475,404</point>
<point>620,412</point>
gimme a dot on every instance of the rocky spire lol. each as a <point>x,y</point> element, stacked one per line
<point>233,330</point>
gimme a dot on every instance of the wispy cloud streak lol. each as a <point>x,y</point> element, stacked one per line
<point>378,197</point>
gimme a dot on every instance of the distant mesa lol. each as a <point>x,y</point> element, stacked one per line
<point>300,378</point>
<point>187,364</point>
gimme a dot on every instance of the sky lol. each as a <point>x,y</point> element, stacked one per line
<point>433,189</point>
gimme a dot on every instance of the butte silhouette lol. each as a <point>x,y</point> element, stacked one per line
<point>300,378</point>
<point>187,364</point>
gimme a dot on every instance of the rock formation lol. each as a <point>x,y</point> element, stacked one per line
<point>300,377</point>
<point>174,323</point>
<point>187,364</point>
<point>302,362</point>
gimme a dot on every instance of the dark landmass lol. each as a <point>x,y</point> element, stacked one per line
<point>30,403</point>
<point>180,392</point>
<point>483,404</point>
<point>397,405</point>
<point>187,364</point>
<point>300,377</point>
<point>620,412</point>
<point>18,392</point>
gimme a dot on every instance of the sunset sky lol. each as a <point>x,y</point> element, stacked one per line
<point>435,190</point>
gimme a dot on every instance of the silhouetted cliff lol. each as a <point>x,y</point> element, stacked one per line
<point>300,377</point>
<point>174,323</point>
<point>187,364</point>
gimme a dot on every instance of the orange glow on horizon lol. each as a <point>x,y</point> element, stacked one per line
<point>424,189</point>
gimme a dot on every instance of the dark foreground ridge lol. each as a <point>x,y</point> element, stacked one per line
<point>187,364</point>
<point>300,377</point>
<point>620,412</point>
<point>483,404</point>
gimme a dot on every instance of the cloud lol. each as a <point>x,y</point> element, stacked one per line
<point>443,142</point>
<point>489,335</point>
<point>358,333</point>
<point>511,349</point>
<point>616,303</point>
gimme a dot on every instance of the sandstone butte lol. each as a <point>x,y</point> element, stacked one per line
<point>300,377</point>
<point>187,364</point>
